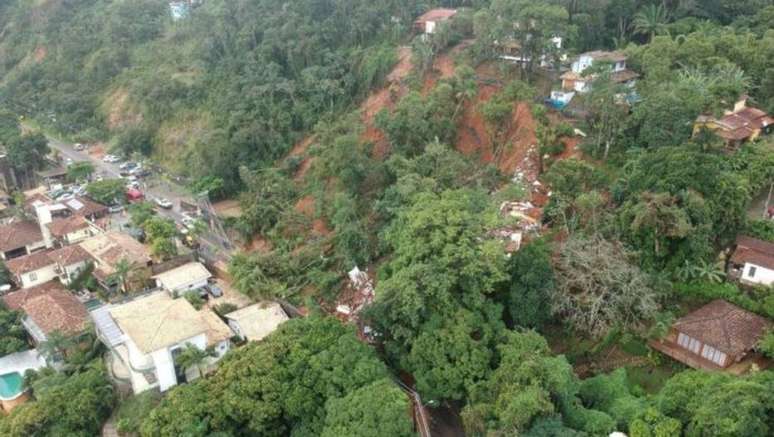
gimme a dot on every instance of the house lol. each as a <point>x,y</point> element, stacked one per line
<point>740,125</point>
<point>189,276</point>
<point>70,230</point>
<point>718,336</point>
<point>52,176</point>
<point>65,264</point>
<point>48,308</point>
<point>147,334</point>
<point>752,261</point>
<point>20,238</point>
<point>577,80</point>
<point>510,50</point>
<point>254,322</point>
<point>32,270</point>
<point>108,248</point>
<point>428,22</point>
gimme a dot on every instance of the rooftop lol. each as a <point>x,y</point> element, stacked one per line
<point>69,255</point>
<point>438,14</point>
<point>158,321</point>
<point>64,226</point>
<point>51,307</point>
<point>19,234</point>
<point>754,251</point>
<point>183,275</point>
<point>258,320</point>
<point>605,56</point>
<point>29,263</point>
<point>111,247</point>
<point>724,326</point>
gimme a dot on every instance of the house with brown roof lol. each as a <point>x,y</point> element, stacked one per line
<point>719,336</point>
<point>48,308</point>
<point>19,239</point>
<point>578,80</point>
<point>742,124</point>
<point>752,262</point>
<point>147,334</point>
<point>428,22</point>
<point>65,264</point>
<point>70,230</point>
<point>108,248</point>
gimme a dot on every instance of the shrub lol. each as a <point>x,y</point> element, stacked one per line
<point>194,299</point>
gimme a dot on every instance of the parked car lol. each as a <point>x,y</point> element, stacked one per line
<point>128,165</point>
<point>133,185</point>
<point>189,222</point>
<point>163,203</point>
<point>214,290</point>
<point>79,147</point>
<point>111,159</point>
<point>113,209</point>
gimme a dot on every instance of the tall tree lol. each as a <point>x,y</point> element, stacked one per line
<point>651,21</point>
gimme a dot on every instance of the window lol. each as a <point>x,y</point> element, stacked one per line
<point>689,343</point>
<point>713,355</point>
<point>751,272</point>
<point>33,277</point>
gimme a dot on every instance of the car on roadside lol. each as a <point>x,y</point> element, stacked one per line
<point>111,159</point>
<point>79,147</point>
<point>133,185</point>
<point>128,165</point>
<point>163,203</point>
<point>113,209</point>
<point>214,290</point>
<point>189,222</point>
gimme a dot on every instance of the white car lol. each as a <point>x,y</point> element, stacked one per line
<point>111,159</point>
<point>79,147</point>
<point>164,203</point>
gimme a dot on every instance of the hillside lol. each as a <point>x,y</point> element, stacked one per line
<point>243,78</point>
<point>516,217</point>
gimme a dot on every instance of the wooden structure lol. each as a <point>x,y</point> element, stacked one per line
<point>719,336</point>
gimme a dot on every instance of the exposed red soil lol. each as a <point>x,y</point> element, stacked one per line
<point>306,206</point>
<point>259,244</point>
<point>300,149</point>
<point>443,66</point>
<point>385,98</point>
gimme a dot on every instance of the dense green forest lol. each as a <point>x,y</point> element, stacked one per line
<point>271,102</point>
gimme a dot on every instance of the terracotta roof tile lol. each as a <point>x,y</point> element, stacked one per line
<point>754,251</point>
<point>724,326</point>
<point>438,14</point>
<point>29,263</point>
<point>62,227</point>
<point>51,307</point>
<point>70,255</point>
<point>19,234</point>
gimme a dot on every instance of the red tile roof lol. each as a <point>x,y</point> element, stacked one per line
<point>439,14</point>
<point>18,235</point>
<point>29,263</point>
<point>51,307</point>
<point>724,326</point>
<point>64,226</point>
<point>70,255</point>
<point>753,251</point>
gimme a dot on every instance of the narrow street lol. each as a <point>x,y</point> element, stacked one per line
<point>153,187</point>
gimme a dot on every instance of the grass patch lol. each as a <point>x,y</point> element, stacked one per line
<point>649,379</point>
<point>132,411</point>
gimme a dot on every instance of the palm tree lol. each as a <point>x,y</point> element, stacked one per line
<point>55,347</point>
<point>651,21</point>
<point>192,356</point>
<point>122,271</point>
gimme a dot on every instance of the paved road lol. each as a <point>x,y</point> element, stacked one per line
<point>153,188</point>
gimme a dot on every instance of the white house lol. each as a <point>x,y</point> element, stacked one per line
<point>147,334</point>
<point>753,261</point>
<point>40,267</point>
<point>189,276</point>
<point>428,22</point>
<point>256,321</point>
<point>578,80</point>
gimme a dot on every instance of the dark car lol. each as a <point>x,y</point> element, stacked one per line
<point>214,290</point>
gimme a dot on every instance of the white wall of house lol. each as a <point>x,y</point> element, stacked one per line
<point>755,274</point>
<point>34,247</point>
<point>71,272</point>
<point>78,236</point>
<point>165,366</point>
<point>181,289</point>
<point>582,63</point>
<point>39,276</point>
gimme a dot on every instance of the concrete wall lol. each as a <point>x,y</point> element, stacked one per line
<point>39,276</point>
<point>762,275</point>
